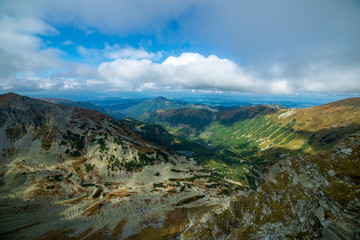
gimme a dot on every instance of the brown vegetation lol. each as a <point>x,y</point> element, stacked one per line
<point>94,209</point>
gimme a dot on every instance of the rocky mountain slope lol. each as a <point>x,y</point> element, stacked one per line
<point>300,197</point>
<point>73,173</point>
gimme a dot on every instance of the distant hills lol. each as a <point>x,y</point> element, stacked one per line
<point>65,102</point>
<point>139,109</point>
<point>134,108</point>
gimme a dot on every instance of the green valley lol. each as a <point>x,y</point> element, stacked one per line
<point>247,139</point>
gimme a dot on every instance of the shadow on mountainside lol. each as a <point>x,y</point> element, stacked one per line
<point>229,117</point>
<point>196,120</point>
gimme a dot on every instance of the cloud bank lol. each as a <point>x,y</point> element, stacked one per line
<point>195,71</point>
<point>188,71</point>
<point>271,46</point>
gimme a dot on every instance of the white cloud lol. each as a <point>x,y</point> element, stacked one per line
<point>127,74</point>
<point>67,42</point>
<point>88,52</point>
<point>326,78</point>
<point>197,72</point>
<point>27,64</point>
<point>115,52</point>
<point>109,16</point>
<point>188,71</point>
<point>23,54</point>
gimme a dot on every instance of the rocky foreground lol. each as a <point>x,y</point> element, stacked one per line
<point>302,197</point>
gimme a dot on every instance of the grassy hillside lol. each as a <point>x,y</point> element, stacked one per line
<point>191,119</point>
<point>246,139</point>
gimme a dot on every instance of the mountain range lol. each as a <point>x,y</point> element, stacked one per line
<point>185,171</point>
<point>66,102</point>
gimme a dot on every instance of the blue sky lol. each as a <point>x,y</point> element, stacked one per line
<point>106,48</point>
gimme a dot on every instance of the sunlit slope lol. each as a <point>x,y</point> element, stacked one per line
<point>307,129</point>
<point>246,139</point>
<point>324,125</point>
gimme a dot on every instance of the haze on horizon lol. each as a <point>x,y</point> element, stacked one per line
<point>103,48</point>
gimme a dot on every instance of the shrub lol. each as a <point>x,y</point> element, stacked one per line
<point>96,194</point>
<point>75,154</point>
<point>87,184</point>
<point>89,167</point>
<point>155,185</point>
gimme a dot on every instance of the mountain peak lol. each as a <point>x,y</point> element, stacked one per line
<point>6,98</point>
<point>9,95</point>
<point>161,98</point>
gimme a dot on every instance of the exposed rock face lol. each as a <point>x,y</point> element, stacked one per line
<point>302,197</point>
